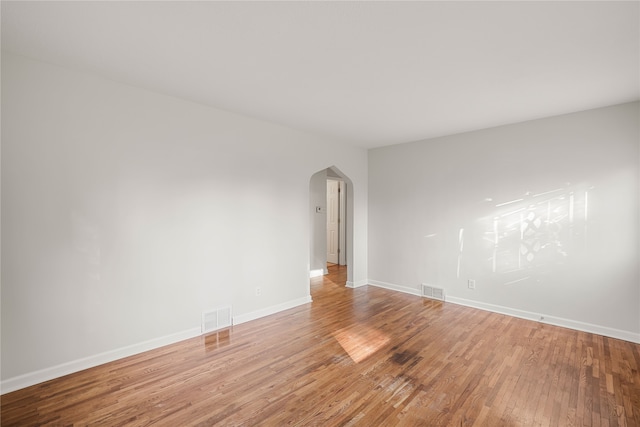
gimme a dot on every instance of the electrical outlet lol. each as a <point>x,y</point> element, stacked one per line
<point>471,283</point>
<point>258,292</point>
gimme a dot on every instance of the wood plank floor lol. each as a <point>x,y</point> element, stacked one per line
<point>355,357</point>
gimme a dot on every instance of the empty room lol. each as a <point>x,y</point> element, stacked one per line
<point>343,213</point>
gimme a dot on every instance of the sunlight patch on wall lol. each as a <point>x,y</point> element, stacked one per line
<point>537,231</point>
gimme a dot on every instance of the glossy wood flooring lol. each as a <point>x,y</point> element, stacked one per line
<point>363,357</point>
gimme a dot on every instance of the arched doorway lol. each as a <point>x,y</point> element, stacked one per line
<point>318,221</point>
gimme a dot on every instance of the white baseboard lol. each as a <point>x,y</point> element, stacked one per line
<point>394,287</point>
<point>357,283</point>
<point>242,318</point>
<point>538,317</point>
<point>37,377</point>
<point>32,378</point>
<point>551,320</point>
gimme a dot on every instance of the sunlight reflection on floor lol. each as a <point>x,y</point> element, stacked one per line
<point>360,342</point>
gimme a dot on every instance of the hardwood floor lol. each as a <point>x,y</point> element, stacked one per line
<point>365,357</point>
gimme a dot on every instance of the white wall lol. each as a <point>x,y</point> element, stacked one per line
<point>437,215</point>
<point>318,221</point>
<point>127,213</point>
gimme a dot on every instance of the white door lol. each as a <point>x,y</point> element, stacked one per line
<point>333,209</point>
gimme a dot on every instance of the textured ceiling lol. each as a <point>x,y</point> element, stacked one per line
<point>368,73</point>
